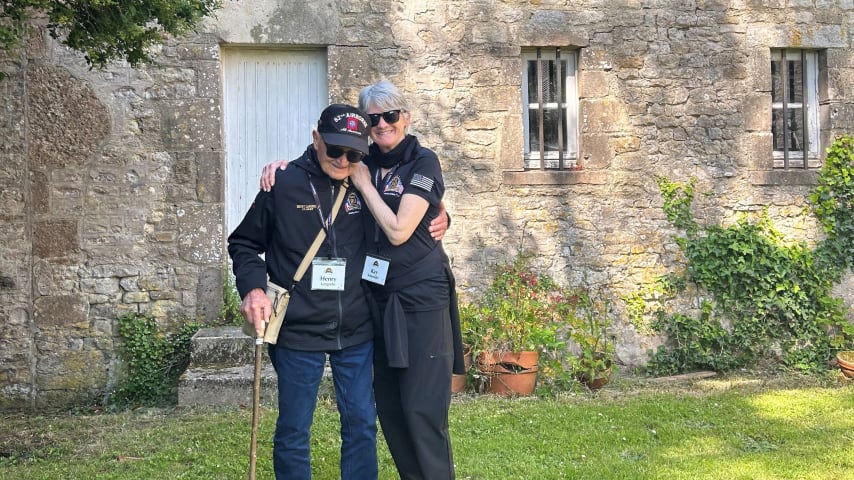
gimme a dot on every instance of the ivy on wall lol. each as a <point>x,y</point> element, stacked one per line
<point>762,296</point>
<point>152,360</point>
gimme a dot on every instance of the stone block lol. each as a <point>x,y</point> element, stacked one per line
<point>230,386</point>
<point>605,115</point>
<point>135,297</point>
<point>56,100</point>
<point>55,239</point>
<point>593,84</point>
<point>72,370</point>
<point>12,203</point>
<point>201,233</point>
<point>61,310</point>
<point>224,346</point>
<point>756,110</point>
<point>191,124</point>
<point>209,177</point>
<point>208,293</point>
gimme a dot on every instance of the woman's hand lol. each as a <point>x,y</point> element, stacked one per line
<point>268,174</point>
<point>360,175</point>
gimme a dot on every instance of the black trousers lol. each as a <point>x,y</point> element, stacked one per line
<point>413,403</point>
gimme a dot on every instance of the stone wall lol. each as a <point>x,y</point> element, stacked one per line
<point>112,182</point>
<point>111,203</point>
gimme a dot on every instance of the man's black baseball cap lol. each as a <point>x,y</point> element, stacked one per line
<point>345,126</point>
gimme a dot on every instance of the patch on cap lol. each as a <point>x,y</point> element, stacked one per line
<point>344,126</point>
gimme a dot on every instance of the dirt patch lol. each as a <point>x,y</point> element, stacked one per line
<point>24,444</point>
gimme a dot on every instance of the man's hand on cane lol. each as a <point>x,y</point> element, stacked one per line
<point>256,309</point>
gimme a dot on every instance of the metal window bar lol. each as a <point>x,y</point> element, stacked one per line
<point>805,108</point>
<point>784,82</point>
<point>559,87</point>
<point>540,112</point>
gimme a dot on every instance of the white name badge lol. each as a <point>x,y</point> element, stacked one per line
<point>376,269</point>
<point>328,273</point>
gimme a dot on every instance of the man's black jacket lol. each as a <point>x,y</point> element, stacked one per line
<point>282,224</point>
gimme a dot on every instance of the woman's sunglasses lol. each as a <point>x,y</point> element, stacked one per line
<point>353,156</point>
<point>391,116</point>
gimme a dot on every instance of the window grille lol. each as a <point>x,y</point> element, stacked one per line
<point>550,109</point>
<point>794,108</point>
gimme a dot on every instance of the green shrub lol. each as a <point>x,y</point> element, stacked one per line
<point>152,361</point>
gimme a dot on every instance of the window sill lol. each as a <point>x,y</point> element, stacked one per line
<point>784,177</point>
<point>555,177</point>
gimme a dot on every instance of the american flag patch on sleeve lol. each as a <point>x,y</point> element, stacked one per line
<point>422,182</point>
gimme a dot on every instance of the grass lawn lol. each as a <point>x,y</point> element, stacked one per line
<point>734,427</point>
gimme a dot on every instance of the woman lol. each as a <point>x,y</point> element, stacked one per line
<point>417,344</point>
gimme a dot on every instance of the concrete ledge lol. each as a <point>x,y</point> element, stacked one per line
<point>222,346</point>
<point>226,386</point>
<point>222,367</point>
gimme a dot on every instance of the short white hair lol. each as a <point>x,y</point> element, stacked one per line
<point>383,95</point>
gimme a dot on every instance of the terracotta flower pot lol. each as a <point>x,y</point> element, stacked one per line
<point>602,379</point>
<point>458,381</point>
<point>509,373</point>
<point>510,361</point>
<point>845,360</point>
<point>513,383</point>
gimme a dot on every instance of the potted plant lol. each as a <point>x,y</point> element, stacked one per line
<point>517,321</point>
<point>469,326</point>
<point>589,317</point>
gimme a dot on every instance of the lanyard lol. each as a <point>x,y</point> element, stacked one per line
<point>325,222</point>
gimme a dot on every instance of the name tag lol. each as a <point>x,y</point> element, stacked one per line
<point>376,269</point>
<point>328,273</point>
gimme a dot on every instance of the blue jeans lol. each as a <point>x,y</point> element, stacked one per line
<point>299,375</point>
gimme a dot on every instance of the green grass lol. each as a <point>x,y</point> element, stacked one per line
<point>727,428</point>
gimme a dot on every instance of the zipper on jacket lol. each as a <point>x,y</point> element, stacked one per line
<point>333,240</point>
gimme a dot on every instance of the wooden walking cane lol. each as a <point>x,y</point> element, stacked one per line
<point>256,405</point>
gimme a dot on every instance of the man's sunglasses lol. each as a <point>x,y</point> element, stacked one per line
<point>391,116</point>
<point>353,156</point>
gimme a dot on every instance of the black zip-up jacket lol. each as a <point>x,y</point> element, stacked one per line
<point>282,224</point>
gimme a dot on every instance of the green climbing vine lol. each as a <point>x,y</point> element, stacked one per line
<point>833,201</point>
<point>767,296</point>
<point>152,361</point>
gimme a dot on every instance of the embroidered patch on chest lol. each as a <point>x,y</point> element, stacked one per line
<point>353,204</point>
<point>393,186</point>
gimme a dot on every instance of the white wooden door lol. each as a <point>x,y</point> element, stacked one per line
<point>271,102</point>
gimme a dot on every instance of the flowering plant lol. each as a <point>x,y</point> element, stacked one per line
<point>524,310</point>
<point>518,311</point>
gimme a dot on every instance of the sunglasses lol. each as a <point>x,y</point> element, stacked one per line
<point>353,156</point>
<point>391,116</point>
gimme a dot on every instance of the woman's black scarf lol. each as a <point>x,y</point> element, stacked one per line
<point>396,155</point>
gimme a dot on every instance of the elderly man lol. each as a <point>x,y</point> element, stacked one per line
<point>328,313</point>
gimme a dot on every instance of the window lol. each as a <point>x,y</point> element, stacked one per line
<point>550,109</point>
<point>794,108</point>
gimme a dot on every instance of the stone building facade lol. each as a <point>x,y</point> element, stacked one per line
<point>112,195</point>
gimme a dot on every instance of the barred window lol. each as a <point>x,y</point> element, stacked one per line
<point>794,108</point>
<point>550,108</point>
